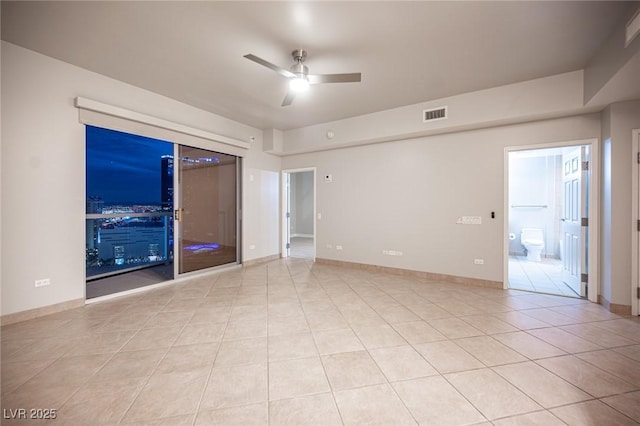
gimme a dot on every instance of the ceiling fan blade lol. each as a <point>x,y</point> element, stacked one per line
<point>289,98</point>
<point>281,71</point>
<point>335,78</point>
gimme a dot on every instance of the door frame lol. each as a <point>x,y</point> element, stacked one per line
<point>635,214</point>
<point>284,197</point>
<point>593,230</point>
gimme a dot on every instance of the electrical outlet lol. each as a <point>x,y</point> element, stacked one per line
<point>252,247</point>
<point>478,261</point>
<point>329,246</point>
<point>42,282</point>
<point>338,247</point>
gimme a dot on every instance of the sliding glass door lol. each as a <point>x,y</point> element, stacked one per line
<point>206,211</point>
<point>155,209</point>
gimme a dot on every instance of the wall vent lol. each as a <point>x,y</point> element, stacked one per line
<point>434,114</point>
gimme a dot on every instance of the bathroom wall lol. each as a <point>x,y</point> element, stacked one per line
<point>535,188</point>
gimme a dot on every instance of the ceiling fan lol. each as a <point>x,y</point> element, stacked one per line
<point>299,77</point>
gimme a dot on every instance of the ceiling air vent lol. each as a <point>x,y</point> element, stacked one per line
<point>434,114</point>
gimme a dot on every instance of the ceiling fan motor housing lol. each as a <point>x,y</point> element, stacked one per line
<point>299,69</point>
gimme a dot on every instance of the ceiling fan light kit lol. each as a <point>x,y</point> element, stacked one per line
<point>299,77</point>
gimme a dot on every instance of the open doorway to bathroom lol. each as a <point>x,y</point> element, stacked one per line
<point>299,213</point>
<point>548,216</point>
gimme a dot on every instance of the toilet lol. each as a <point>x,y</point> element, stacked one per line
<point>533,241</point>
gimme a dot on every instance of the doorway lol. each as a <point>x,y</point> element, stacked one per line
<point>298,213</point>
<point>550,223</point>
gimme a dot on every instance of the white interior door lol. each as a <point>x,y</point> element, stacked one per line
<point>573,210</point>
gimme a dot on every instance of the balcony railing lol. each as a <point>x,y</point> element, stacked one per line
<point>122,242</point>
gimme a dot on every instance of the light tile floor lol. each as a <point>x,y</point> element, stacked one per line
<point>542,277</point>
<point>297,343</point>
<point>302,247</point>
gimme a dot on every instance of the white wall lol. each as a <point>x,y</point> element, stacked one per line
<point>43,173</point>
<point>406,196</point>
<point>619,120</point>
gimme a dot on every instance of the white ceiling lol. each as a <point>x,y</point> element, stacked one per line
<point>407,52</point>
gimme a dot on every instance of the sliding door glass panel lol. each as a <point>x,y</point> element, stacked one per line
<point>129,223</point>
<point>207,235</point>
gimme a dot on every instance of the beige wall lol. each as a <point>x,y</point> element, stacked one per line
<point>43,172</point>
<point>618,120</point>
<point>406,196</point>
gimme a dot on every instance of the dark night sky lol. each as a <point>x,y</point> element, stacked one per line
<point>124,168</point>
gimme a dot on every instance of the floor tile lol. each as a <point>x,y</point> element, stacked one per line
<point>188,357</point>
<point>235,386</point>
<point>167,395</point>
<point>296,377</point>
<point>586,376</point>
<point>379,336</point>
<point>593,413</point>
<point>519,320</point>
<point>402,363</point>
<point>428,311</point>
<point>632,352</point>
<point>131,364</point>
<point>335,341</point>
<point>528,345</point>
<point>201,333</point>
<point>564,340</point>
<point>101,343</point>
<point>245,329</point>
<point>502,400</point>
<point>17,373</point>
<point>454,328</point>
<point>489,324</point>
<point>489,351</point>
<point>538,418</point>
<point>397,313</point>
<point>153,338</point>
<point>248,415</point>
<point>433,401</point>
<point>169,319</point>
<point>210,315</point>
<point>70,370</point>
<point>241,352</point>
<point>287,326</point>
<point>372,405</point>
<point>296,342</point>
<point>614,363</point>
<point>348,370</point>
<point>418,332</point>
<point>597,335</point>
<point>109,400</point>
<point>291,346</point>
<point>304,411</point>
<point>544,387</point>
<point>628,404</point>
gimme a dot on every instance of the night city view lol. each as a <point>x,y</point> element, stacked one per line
<point>129,184</point>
